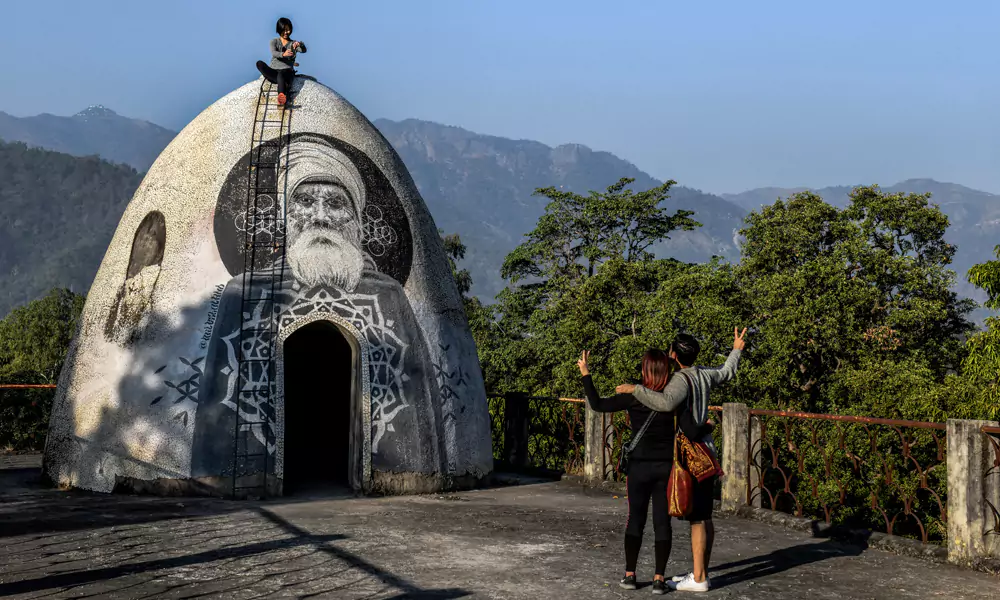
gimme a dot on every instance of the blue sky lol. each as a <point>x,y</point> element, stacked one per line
<point>721,96</point>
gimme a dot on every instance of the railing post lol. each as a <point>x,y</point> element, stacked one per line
<point>969,455</point>
<point>515,429</point>
<point>735,455</point>
<point>594,465</point>
<point>755,492</point>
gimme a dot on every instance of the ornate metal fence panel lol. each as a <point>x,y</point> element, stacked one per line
<point>554,440</point>
<point>556,434</point>
<point>877,474</point>
<point>991,479</point>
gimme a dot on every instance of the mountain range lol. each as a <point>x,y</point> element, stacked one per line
<point>95,130</point>
<point>478,186</point>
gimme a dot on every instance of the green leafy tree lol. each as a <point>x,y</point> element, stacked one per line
<point>478,315</point>
<point>580,280</point>
<point>34,340</point>
<point>455,250</point>
<point>982,363</point>
<point>830,291</point>
<point>578,232</point>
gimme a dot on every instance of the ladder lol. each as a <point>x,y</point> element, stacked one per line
<point>263,271</point>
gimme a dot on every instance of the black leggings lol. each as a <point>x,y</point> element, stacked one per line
<point>647,480</point>
<point>282,77</point>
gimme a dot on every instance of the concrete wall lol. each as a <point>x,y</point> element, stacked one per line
<point>147,392</point>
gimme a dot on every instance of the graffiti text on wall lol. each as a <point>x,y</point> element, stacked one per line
<point>213,314</point>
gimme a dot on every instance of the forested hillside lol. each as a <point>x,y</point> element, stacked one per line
<point>57,215</point>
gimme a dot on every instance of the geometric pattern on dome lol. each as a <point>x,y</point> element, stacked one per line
<point>262,223</point>
<point>385,361</point>
<point>377,235</point>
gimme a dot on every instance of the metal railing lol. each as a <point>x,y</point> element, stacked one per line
<point>538,432</point>
<point>991,478</point>
<point>878,474</point>
<point>24,415</point>
<point>26,386</point>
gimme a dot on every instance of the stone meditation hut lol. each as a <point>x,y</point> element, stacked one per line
<point>366,373</point>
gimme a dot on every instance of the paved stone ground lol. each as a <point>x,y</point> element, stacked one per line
<point>531,541</point>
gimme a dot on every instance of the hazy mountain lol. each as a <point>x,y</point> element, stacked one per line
<point>481,187</point>
<point>57,215</point>
<point>93,131</point>
<point>478,186</point>
<point>973,215</point>
<point>755,198</point>
<point>475,185</point>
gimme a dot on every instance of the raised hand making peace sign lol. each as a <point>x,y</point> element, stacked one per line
<point>582,363</point>
<point>738,343</point>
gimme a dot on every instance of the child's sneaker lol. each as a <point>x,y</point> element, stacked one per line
<point>282,99</point>
<point>627,582</point>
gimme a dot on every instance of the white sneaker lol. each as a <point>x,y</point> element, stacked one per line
<point>688,584</point>
<point>677,578</point>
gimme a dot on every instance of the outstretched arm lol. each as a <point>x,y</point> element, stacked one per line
<point>668,400</point>
<point>725,372</point>
<point>598,404</point>
<point>728,370</point>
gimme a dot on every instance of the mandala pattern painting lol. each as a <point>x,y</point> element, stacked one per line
<point>386,353</point>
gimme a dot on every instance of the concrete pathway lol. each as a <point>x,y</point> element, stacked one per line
<point>533,541</point>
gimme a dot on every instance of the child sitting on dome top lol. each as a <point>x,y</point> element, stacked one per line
<point>283,51</point>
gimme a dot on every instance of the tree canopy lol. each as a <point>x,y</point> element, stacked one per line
<point>34,339</point>
<point>850,309</point>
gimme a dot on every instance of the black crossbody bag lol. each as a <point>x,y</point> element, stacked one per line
<point>626,455</point>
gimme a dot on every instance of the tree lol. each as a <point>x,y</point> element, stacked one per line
<point>455,250</point>
<point>582,279</point>
<point>34,340</point>
<point>577,232</point>
<point>833,291</point>
<point>982,363</point>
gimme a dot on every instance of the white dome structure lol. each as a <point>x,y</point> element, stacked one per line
<point>208,362</point>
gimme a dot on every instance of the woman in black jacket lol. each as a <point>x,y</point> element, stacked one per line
<point>649,463</point>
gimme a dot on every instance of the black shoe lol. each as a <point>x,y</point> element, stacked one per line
<point>659,586</point>
<point>628,582</point>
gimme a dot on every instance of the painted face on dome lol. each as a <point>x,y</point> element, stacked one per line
<point>324,236</point>
<point>321,207</point>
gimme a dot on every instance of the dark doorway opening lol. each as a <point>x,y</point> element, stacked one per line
<point>318,374</point>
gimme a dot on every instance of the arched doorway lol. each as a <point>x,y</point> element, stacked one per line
<point>318,406</point>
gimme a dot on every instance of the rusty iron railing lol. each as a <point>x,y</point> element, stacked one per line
<point>26,386</point>
<point>992,435</point>
<point>617,432</point>
<point>555,432</point>
<point>855,471</point>
<point>24,415</point>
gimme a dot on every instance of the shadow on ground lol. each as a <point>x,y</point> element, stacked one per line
<point>517,541</point>
<point>90,545</point>
<point>779,561</point>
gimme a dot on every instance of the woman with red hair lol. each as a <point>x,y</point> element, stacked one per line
<point>649,462</point>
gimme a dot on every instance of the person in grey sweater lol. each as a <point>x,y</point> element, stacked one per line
<point>281,71</point>
<point>694,383</point>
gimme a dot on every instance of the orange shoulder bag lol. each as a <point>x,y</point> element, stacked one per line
<point>680,487</point>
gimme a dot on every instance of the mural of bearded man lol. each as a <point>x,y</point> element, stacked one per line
<point>326,272</point>
<point>324,217</point>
